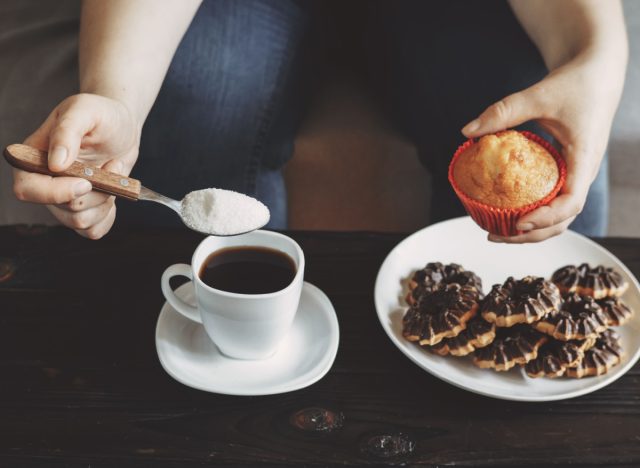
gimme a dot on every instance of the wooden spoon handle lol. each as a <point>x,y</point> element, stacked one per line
<point>31,159</point>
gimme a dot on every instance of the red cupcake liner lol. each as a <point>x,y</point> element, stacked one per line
<point>503,221</point>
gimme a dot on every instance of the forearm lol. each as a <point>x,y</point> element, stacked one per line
<point>584,45</point>
<point>565,29</point>
<point>126,47</point>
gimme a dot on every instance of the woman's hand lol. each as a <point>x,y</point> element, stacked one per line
<point>584,44</point>
<point>124,53</point>
<point>576,105</point>
<point>93,129</point>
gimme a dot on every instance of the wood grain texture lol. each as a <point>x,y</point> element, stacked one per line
<point>81,383</point>
<point>33,160</point>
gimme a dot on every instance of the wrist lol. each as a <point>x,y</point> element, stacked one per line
<point>606,49</point>
<point>119,120</point>
<point>131,107</point>
<point>602,73</point>
<point>595,71</point>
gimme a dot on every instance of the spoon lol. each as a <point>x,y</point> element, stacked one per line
<point>31,159</point>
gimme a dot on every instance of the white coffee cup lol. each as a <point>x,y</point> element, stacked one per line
<point>243,326</point>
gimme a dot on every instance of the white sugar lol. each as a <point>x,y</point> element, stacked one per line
<point>223,212</point>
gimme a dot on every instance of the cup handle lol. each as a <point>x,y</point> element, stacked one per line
<point>179,269</point>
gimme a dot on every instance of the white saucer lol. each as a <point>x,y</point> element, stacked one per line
<point>305,356</point>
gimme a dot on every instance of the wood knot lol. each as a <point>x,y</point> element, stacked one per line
<point>317,419</point>
<point>388,445</point>
<point>7,269</point>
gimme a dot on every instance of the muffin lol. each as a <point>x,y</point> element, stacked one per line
<point>503,176</point>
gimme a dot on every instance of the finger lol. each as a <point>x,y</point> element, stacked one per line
<point>82,220</point>
<point>66,136</point>
<point>568,204</point>
<point>508,112</point>
<point>114,165</point>
<point>99,230</point>
<point>85,202</point>
<point>94,198</point>
<point>40,188</point>
<point>560,209</point>
<point>537,235</point>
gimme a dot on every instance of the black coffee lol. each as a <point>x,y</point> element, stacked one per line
<point>248,270</point>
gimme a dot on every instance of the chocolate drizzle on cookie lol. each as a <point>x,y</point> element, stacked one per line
<point>580,317</point>
<point>479,333</point>
<point>617,312</point>
<point>443,313</point>
<point>433,274</point>
<point>520,301</point>
<point>597,282</point>
<point>551,328</point>
<point>555,357</point>
<point>605,354</point>
<point>515,345</point>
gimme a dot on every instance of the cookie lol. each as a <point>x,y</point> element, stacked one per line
<point>433,274</point>
<point>579,318</point>
<point>478,334</point>
<point>597,282</point>
<point>443,313</point>
<point>520,301</point>
<point>617,312</point>
<point>512,346</point>
<point>605,354</point>
<point>555,357</point>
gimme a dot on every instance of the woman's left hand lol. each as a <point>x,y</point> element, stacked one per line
<point>575,103</point>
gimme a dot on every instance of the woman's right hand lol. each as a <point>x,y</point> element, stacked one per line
<point>93,129</point>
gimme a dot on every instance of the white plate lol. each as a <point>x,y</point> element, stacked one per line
<point>305,356</point>
<point>462,241</point>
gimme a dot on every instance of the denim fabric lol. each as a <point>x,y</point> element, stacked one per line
<point>223,117</point>
<point>594,219</point>
<point>227,113</point>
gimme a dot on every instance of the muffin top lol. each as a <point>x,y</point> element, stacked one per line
<point>506,170</point>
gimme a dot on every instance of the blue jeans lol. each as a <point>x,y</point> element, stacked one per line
<point>229,108</point>
<point>225,116</point>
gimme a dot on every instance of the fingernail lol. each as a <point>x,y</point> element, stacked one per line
<point>471,126</point>
<point>58,156</point>
<point>525,227</point>
<point>496,239</point>
<point>81,187</point>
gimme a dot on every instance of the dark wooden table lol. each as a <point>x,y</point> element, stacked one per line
<point>81,384</point>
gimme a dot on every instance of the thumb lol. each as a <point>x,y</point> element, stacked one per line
<point>66,136</point>
<point>508,112</point>
<point>115,166</point>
